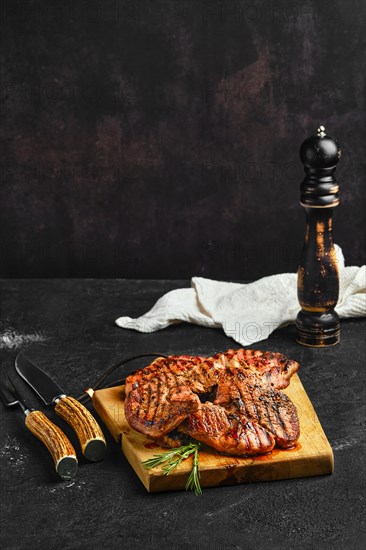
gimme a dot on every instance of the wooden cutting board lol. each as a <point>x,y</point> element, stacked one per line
<point>312,455</point>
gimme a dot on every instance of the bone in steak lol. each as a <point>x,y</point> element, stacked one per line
<point>248,414</point>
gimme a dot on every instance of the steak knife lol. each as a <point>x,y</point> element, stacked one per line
<point>58,445</point>
<point>91,438</point>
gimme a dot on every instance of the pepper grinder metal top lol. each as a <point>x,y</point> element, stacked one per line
<point>318,280</point>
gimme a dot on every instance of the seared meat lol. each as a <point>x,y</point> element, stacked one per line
<point>233,434</point>
<point>248,394</point>
<point>274,367</point>
<point>163,395</point>
<point>159,409</point>
<point>200,373</point>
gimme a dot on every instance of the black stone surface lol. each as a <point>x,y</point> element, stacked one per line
<point>67,327</point>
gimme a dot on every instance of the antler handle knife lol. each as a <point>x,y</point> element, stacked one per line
<point>88,431</point>
<point>54,439</point>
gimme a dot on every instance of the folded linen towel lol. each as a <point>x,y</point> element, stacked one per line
<point>248,313</point>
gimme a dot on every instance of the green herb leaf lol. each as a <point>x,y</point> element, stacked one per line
<point>169,460</point>
<point>193,482</point>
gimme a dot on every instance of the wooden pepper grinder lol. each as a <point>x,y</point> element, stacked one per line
<point>318,280</point>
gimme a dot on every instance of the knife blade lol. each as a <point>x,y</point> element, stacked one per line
<point>88,431</point>
<point>54,439</point>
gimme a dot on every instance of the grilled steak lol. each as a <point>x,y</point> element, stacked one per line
<point>250,395</point>
<point>248,412</point>
<point>158,409</point>
<point>233,434</point>
<point>275,368</point>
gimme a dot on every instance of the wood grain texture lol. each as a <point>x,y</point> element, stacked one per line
<point>312,455</point>
<point>86,427</point>
<point>56,442</point>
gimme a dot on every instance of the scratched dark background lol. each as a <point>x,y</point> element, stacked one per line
<point>160,139</point>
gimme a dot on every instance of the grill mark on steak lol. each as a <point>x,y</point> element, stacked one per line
<point>230,434</point>
<point>257,409</point>
<point>144,405</point>
<point>153,403</point>
<point>247,399</point>
<point>275,419</point>
<point>243,435</point>
<point>253,430</point>
<point>253,402</point>
<point>267,435</point>
<point>164,402</point>
<point>171,378</point>
<point>157,398</point>
<point>261,403</point>
<point>242,403</point>
<point>268,417</point>
<point>161,396</point>
<point>278,413</point>
<point>284,421</point>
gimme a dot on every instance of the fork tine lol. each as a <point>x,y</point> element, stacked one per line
<point>2,397</point>
<point>9,384</point>
<point>13,391</point>
<point>7,396</point>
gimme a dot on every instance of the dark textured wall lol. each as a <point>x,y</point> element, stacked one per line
<point>160,139</point>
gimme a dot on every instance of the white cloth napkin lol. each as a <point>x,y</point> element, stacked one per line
<point>247,313</point>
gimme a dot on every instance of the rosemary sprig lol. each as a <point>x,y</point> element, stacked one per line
<point>193,482</point>
<point>169,460</point>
